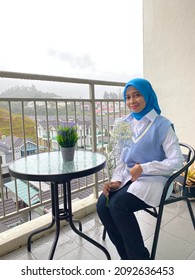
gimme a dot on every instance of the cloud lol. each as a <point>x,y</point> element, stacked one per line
<point>75,61</point>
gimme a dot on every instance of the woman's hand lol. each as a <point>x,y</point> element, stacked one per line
<point>110,186</point>
<point>135,172</point>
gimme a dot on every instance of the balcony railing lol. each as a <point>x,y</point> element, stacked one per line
<point>32,124</point>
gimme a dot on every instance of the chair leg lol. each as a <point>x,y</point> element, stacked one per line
<point>190,211</point>
<point>104,234</point>
<point>156,233</point>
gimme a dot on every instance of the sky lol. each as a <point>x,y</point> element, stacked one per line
<point>91,39</point>
<point>97,39</point>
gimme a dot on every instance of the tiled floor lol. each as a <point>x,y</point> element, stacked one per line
<point>176,241</point>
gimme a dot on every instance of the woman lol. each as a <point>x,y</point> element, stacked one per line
<point>154,154</point>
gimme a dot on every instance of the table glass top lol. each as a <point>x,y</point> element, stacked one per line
<point>52,163</point>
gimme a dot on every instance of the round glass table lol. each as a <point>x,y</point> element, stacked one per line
<point>50,167</point>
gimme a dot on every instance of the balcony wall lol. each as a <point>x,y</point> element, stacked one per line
<point>169,60</point>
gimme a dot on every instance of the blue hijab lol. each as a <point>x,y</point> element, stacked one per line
<point>145,88</point>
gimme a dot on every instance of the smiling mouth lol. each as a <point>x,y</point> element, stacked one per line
<point>133,107</point>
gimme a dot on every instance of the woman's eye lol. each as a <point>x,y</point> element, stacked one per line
<point>135,95</point>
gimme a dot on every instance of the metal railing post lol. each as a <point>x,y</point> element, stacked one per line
<point>93,134</point>
<point>1,177</point>
<point>93,117</point>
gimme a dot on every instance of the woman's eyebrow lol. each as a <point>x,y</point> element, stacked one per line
<point>134,92</point>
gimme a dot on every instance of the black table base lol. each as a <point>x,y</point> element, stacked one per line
<point>59,214</point>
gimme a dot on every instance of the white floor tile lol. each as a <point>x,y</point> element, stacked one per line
<point>176,241</point>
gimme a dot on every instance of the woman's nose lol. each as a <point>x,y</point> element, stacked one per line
<point>132,99</point>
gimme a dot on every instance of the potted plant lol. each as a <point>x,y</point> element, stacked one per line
<point>67,137</point>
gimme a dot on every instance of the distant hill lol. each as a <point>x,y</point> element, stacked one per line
<point>17,125</point>
<point>26,92</point>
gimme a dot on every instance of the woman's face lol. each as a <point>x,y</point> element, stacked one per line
<point>134,100</point>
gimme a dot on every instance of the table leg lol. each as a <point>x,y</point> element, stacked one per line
<point>60,214</point>
<point>45,228</point>
<point>66,211</point>
<point>80,232</point>
<point>55,205</point>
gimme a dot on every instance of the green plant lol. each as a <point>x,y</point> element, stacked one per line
<point>67,135</point>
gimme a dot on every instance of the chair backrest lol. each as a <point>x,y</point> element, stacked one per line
<point>180,181</point>
<point>189,156</point>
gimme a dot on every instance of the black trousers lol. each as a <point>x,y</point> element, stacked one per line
<point>121,224</point>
